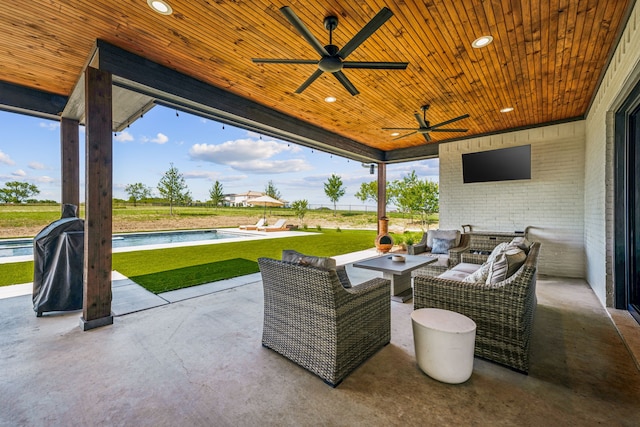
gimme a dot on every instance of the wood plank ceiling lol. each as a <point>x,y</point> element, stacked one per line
<point>545,60</point>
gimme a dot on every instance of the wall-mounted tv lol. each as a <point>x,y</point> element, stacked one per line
<point>504,164</point>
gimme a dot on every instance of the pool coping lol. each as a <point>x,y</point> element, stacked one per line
<point>248,235</point>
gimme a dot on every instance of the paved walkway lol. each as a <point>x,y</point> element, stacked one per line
<point>129,297</point>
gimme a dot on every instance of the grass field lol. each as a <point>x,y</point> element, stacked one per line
<point>166,269</point>
<point>173,268</point>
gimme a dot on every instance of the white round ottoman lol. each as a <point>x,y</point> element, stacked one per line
<point>444,343</point>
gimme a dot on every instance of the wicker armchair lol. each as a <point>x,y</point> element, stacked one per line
<point>311,319</point>
<point>503,312</point>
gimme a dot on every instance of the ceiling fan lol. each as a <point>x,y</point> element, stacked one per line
<point>332,58</point>
<point>425,128</point>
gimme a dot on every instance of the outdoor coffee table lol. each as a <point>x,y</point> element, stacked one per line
<point>399,272</point>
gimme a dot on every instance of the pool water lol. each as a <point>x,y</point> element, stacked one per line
<point>21,247</point>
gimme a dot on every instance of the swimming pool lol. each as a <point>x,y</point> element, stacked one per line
<point>24,247</point>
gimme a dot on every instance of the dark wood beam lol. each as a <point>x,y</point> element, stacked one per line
<point>96,310</point>
<point>70,158</point>
<point>382,192</point>
<point>24,100</point>
<point>419,152</point>
<point>186,93</point>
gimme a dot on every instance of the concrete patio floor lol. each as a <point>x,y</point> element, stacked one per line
<point>198,361</point>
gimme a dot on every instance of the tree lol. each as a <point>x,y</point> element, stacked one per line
<point>334,190</point>
<point>137,192</point>
<point>431,200</point>
<point>271,191</point>
<point>368,191</point>
<point>216,194</point>
<point>17,192</point>
<point>173,188</point>
<point>300,208</point>
<point>413,195</point>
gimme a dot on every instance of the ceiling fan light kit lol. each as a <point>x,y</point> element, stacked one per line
<point>332,58</point>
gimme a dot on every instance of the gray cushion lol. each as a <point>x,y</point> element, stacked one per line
<point>443,234</point>
<point>442,246</point>
<point>466,267</point>
<point>454,275</point>
<point>515,259</point>
<point>290,255</point>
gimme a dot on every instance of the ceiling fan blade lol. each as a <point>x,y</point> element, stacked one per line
<point>376,65</point>
<point>426,137</point>
<point>449,130</point>
<point>400,129</point>
<point>303,30</point>
<point>371,27</point>
<point>420,120</point>
<point>402,136</point>
<point>284,61</point>
<point>310,80</point>
<point>346,83</point>
<point>449,121</point>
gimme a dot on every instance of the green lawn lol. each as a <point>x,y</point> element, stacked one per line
<point>174,268</point>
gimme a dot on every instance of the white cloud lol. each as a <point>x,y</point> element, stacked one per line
<point>250,155</point>
<point>272,166</point>
<point>4,158</point>
<point>19,173</point>
<point>44,179</point>
<point>50,125</point>
<point>123,136</point>
<point>160,138</point>
<point>36,166</point>
<point>210,175</point>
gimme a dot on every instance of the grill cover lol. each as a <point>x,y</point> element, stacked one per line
<point>58,252</point>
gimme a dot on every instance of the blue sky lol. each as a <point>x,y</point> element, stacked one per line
<point>201,150</point>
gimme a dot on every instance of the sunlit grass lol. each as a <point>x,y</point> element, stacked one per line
<point>164,265</point>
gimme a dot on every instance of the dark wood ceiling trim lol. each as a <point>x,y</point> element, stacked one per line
<point>176,89</point>
<point>429,151</point>
<point>34,102</point>
<point>408,154</point>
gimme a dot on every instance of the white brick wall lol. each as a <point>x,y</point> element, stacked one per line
<point>552,202</point>
<point>623,73</point>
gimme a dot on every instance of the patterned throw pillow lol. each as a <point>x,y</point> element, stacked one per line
<point>479,276</point>
<point>497,270</point>
<point>443,234</point>
<point>442,246</point>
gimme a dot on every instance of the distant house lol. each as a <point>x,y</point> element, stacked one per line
<point>241,199</point>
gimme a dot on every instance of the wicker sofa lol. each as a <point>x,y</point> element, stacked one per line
<point>313,320</point>
<point>503,311</point>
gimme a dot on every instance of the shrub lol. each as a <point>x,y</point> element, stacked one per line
<point>319,227</point>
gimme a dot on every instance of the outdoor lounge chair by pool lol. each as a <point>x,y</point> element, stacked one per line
<point>278,226</point>
<point>260,223</point>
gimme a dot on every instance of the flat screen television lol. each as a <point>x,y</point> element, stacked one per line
<point>504,164</point>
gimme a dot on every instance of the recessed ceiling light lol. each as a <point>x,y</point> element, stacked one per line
<point>160,6</point>
<point>506,110</point>
<point>330,99</point>
<point>482,41</point>
<point>395,134</point>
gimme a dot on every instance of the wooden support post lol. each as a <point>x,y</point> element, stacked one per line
<point>96,310</point>
<point>382,192</point>
<point>70,157</point>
